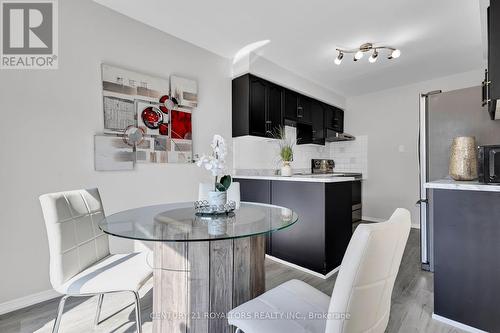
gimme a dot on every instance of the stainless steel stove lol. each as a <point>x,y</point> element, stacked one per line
<point>326,167</point>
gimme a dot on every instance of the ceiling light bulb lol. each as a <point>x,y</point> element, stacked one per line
<point>373,57</point>
<point>338,60</point>
<point>395,54</point>
<point>358,55</point>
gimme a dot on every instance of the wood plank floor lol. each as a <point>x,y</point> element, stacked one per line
<point>411,311</point>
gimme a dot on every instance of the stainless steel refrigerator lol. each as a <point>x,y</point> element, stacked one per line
<point>442,117</point>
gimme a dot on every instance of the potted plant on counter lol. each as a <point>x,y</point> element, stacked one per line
<point>286,151</point>
<point>216,164</point>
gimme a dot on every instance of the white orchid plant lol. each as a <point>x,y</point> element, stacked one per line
<point>216,163</point>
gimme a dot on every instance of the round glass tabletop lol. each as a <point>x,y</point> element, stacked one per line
<point>179,223</point>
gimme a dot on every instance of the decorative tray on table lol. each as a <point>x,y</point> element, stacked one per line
<point>203,208</point>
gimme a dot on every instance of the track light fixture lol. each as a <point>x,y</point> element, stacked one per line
<point>373,57</point>
<point>338,60</point>
<point>359,52</point>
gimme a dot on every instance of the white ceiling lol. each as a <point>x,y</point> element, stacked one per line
<point>436,37</point>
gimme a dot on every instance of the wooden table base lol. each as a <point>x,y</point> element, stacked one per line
<point>197,283</point>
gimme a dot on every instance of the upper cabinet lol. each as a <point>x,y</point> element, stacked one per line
<point>260,107</point>
<point>257,106</point>
<point>297,107</point>
<point>334,118</point>
<point>491,84</point>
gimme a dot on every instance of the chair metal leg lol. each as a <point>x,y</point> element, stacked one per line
<point>138,320</point>
<point>98,312</point>
<point>60,311</point>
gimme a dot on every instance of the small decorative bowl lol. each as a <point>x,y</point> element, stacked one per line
<point>203,207</point>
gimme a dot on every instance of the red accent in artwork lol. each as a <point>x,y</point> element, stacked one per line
<point>163,98</point>
<point>181,125</point>
<point>163,109</point>
<point>151,117</point>
<point>163,128</point>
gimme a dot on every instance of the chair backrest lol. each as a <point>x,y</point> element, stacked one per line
<point>233,193</point>
<point>366,278</point>
<point>75,240</point>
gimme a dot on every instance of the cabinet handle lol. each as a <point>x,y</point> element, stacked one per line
<point>485,89</point>
<point>300,112</point>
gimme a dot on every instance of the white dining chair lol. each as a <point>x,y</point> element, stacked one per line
<point>80,261</point>
<point>361,298</point>
<point>233,193</point>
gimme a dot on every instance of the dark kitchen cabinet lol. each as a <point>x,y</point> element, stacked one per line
<point>315,131</point>
<point>466,265</point>
<point>318,122</point>
<point>303,243</point>
<point>304,105</point>
<point>320,237</point>
<point>275,107</point>
<point>334,118</point>
<point>297,107</point>
<point>291,107</point>
<point>260,107</point>
<point>257,106</point>
<point>491,85</point>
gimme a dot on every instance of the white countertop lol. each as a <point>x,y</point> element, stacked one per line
<point>300,178</point>
<point>450,184</point>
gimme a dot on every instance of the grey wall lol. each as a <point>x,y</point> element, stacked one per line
<point>390,120</point>
<point>49,119</point>
<point>457,113</point>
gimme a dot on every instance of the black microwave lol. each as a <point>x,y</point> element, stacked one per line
<point>489,164</point>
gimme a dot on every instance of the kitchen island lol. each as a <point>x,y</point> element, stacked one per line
<point>326,205</point>
<point>466,241</point>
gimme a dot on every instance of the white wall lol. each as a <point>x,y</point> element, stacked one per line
<point>389,119</point>
<point>261,153</point>
<point>49,119</point>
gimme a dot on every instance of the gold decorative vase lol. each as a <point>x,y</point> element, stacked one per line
<point>463,158</point>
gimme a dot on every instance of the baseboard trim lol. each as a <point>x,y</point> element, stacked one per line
<point>305,270</point>
<point>456,324</point>
<point>372,219</point>
<point>26,301</point>
<point>376,219</point>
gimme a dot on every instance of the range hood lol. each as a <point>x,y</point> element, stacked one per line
<point>334,136</point>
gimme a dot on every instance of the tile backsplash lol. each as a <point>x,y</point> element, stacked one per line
<point>351,156</point>
<point>261,153</point>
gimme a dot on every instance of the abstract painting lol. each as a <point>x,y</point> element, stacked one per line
<point>144,120</point>
<point>185,91</point>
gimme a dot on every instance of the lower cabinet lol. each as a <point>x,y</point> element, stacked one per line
<point>466,249</point>
<point>319,239</point>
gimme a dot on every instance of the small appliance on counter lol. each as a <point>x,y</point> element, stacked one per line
<point>489,164</point>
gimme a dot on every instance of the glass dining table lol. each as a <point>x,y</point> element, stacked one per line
<point>203,265</point>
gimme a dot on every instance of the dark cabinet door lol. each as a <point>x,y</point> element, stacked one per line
<point>290,106</point>
<point>334,118</point>
<point>338,221</point>
<point>494,53</point>
<point>318,122</point>
<point>302,243</point>
<point>257,106</point>
<point>274,108</point>
<point>304,105</point>
<point>338,120</point>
